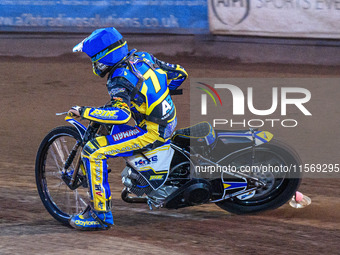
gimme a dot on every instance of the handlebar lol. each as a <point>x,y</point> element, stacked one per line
<point>61,113</point>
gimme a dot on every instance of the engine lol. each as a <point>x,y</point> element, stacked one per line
<point>135,182</point>
<point>179,190</point>
<point>137,185</point>
<point>159,195</point>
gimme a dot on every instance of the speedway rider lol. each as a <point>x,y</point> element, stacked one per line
<point>138,85</point>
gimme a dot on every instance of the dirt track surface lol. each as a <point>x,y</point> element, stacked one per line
<point>34,89</point>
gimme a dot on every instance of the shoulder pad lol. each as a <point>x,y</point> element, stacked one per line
<point>125,73</point>
<point>145,55</point>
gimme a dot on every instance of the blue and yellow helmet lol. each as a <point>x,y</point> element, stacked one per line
<point>105,47</point>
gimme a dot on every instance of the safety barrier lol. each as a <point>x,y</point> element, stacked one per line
<point>155,16</point>
<point>276,18</point>
<point>273,18</point>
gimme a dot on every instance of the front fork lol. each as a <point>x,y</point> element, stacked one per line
<point>75,180</point>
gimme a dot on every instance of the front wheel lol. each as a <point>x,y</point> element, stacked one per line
<point>52,181</point>
<point>282,180</point>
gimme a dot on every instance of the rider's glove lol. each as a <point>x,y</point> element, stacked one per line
<point>74,111</point>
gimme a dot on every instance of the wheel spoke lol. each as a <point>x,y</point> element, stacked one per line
<point>62,201</point>
<point>56,162</point>
<point>57,146</point>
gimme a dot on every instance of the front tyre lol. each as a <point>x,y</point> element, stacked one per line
<point>280,185</point>
<point>58,198</point>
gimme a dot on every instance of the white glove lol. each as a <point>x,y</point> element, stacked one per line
<point>74,111</point>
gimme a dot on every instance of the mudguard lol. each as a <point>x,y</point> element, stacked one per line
<point>80,127</point>
<point>230,141</point>
<point>244,136</point>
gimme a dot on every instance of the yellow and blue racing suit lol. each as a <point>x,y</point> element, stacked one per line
<point>138,87</point>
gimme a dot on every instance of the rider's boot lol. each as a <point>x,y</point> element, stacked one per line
<point>92,220</point>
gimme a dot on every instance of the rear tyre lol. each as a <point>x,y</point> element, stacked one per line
<point>280,186</point>
<point>59,200</point>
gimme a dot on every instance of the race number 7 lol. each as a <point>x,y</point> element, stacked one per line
<point>154,79</point>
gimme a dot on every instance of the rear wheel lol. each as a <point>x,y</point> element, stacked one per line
<point>280,184</point>
<point>52,182</point>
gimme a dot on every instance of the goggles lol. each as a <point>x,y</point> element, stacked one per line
<point>100,69</point>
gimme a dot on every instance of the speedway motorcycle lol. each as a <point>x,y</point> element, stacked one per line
<point>243,171</point>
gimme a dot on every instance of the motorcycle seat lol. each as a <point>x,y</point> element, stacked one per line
<point>200,134</point>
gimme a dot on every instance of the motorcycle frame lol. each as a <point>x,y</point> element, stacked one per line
<point>84,133</point>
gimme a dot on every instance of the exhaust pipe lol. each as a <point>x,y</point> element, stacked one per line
<point>130,199</point>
